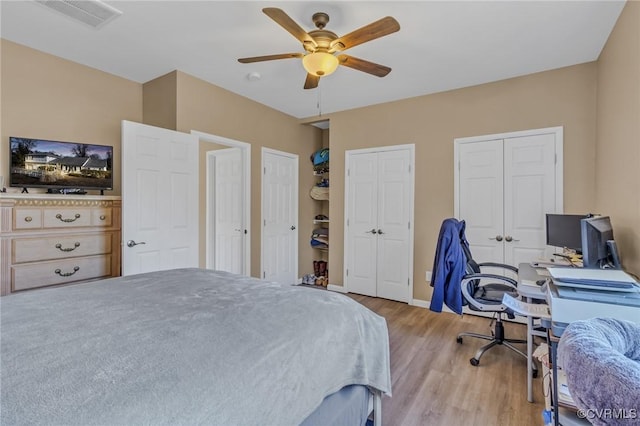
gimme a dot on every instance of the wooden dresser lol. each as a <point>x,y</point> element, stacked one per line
<point>57,239</point>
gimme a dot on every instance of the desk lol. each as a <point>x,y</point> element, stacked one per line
<point>566,306</point>
<point>527,288</point>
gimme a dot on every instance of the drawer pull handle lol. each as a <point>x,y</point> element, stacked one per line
<point>75,246</point>
<point>67,274</point>
<point>102,217</point>
<point>28,219</point>
<point>59,216</point>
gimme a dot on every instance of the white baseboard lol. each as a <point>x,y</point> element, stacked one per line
<point>336,288</point>
<point>419,303</point>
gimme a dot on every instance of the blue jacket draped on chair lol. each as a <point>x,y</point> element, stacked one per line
<point>449,266</point>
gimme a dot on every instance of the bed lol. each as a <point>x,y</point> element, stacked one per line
<point>189,346</point>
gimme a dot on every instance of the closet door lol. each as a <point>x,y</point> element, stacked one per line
<point>504,188</point>
<point>362,222</point>
<point>529,193</point>
<point>481,198</point>
<point>378,234</point>
<point>394,215</point>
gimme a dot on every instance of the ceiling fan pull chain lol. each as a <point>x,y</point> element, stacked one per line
<point>319,103</point>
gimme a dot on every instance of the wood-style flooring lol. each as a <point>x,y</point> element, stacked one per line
<point>433,382</point>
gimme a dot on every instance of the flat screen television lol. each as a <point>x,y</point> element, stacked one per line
<point>55,165</point>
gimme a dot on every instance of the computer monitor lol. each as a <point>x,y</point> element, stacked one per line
<point>564,230</point>
<point>599,249</point>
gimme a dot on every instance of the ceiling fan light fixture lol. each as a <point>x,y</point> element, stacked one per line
<point>320,63</point>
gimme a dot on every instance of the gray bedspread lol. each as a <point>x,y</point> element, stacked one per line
<point>183,347</point>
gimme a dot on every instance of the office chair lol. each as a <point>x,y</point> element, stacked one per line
<point>487,297</point>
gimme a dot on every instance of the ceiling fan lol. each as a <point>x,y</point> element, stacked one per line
<point>321,46</point>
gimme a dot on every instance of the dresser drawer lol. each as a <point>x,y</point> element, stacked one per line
<point>27,219</point>
<point>101,216</point>
<point>32,275</point>
<point>59,247</point>
<point>67,217</point>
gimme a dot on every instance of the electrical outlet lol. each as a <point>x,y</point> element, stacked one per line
<point>428,276</point>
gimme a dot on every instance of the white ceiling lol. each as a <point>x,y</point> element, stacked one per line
<point>440,46</point>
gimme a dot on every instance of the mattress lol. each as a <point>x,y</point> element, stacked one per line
<point>347,407</point>
<point>184,346</point>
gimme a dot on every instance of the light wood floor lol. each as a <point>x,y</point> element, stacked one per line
<point>433,382</point>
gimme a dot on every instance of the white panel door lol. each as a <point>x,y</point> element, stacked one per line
<point>362,224</point>
<point>394,216</point>
<point>529,193</point>
<point>505,187</point>
<point>159,199</point>
<point>481,198</point>
<point>279,216</point>
<point>379,210</point>
<point>229,234</point>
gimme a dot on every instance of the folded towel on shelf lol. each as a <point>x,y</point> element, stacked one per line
<point>319,193</point>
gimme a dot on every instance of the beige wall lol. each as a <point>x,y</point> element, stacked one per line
<point>159,101</point>
<point>47,97</point>
<point>564,97</point>
<point>618,135</point>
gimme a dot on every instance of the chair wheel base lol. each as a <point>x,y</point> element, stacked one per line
<point>459,340</point>
<point>474,362</point>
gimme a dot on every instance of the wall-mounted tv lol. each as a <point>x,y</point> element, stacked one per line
<point>40,163</point>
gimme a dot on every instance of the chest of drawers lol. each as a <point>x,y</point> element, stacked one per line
<point>57,239</point>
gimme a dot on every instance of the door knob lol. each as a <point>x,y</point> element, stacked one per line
<point>509,238</point>
<point>380,231</point>
<point>373,231</point>
<point>132,243</point>
<point>497,238</point>
<point>293,227</point>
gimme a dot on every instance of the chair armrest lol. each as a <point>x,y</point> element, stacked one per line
<point>475,303</point>
<point>505,280</point>
<point>499,265</point>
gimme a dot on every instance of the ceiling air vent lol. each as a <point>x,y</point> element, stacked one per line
<point>91,12</point>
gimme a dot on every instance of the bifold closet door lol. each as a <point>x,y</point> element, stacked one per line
<point>378,224</point>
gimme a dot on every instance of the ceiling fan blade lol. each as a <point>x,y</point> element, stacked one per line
<point>364,66</point>
<point>374,30</point>
<point>311,82</point>
<point>289,24</point>
<point>270,57</point>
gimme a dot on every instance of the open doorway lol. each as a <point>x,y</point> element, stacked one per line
<point>227,204</point>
